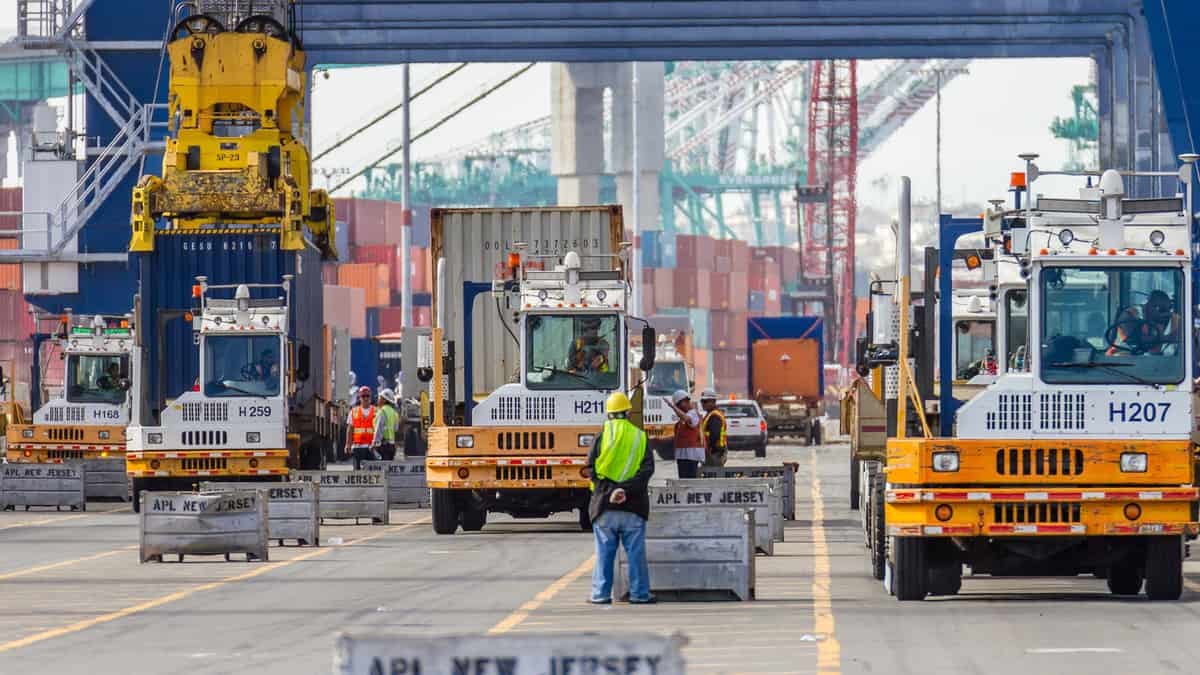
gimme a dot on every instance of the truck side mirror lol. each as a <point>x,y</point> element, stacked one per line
<point>303,362</point>
<point>123,372</point>
<point>649,347</point>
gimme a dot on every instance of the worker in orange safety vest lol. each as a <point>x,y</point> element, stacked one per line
<point>362,428</point>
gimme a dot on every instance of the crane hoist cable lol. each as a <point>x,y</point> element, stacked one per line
<point>380,117</point>
<point>425,132</point>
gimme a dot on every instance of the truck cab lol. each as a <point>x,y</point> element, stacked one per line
<point>525,452</point>
<point>233,424</point>
<point>87,420</point>
<point>1081,462</point>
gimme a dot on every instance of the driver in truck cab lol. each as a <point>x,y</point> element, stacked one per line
<point>1149,329</point>
<point>589,352</point>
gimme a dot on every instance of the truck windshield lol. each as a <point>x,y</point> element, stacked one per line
<point>241,365</point>
<point>573,352</point>
<point>973,340</point>
<point>666,378</point>
<point>1016,318</point>
<point>1112,325</point>
<point>95,378</point>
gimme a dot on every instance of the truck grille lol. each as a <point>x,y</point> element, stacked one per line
<point>205,438</point>
<point>65,434</point>
<point>64,454</point>
<point>204,464</point>
<point>523,472</point>
<point>1045,512</point>
<point>525,440</point>
<point>1039,462</point>
<point>209,411</point>
<point>1061,411</point>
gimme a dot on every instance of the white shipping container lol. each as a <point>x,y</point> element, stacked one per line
<point>475,244</point>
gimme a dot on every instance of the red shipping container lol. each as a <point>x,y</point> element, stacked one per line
<point>664,288</point>
<point>648,307</point>
<point>422,317</point>
<point>371,278</point>
<point>421,276</point>
<point>390,319</point>
<point>329,274</point>
<point>693,288</point>
<point>723,264</point>
<point>694,251</point>
<point>723,248</point>
<point>718,290</point>
<point>740,253</point>
<point>10,275</point>
<point>728,330</point>
<point>10,205</point>
<point>739,291</point>
<point>370,221</point>
<point>380,254</point>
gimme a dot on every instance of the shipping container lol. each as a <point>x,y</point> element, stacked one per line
<point>422,299</point>
<point>383,320</point>
<point>739,291</point>
<point>422,317</point>
<point>651,249</point>
<point>341,238</point>
<point>664,288</point>
<point>345,307</point>
<point>667,243</point>
<point>694,251</point>
<point>11,199</point>
<point>701,324</point>
<point>740,254</point>
<point>10,275</point>
<point>728,330</point>
<point>787,356</point>
<point>757,302</point>
<point>166,277</point>
<point>718,293</point>
<point>379,254</point>
<point>373,279</point>
<point>692,287</point>
<point>364,362</point>
<point>475,244</point>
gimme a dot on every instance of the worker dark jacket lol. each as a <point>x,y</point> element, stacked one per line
<point>637,487</point>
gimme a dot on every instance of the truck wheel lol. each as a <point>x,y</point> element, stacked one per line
<point>855,487</point>
<point>760,450</point>
<point>1164,568</point>
<point>445,511</point>
<point>1124,579</point>
<point>585,519</point>
<point>945,579</point>
<point>473,519</point>
<point>911,571</point>
<point>138,486</point>
<point>878,533</point>
<point>815,433</point>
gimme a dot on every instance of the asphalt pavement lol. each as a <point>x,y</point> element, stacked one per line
<point>74,599</point>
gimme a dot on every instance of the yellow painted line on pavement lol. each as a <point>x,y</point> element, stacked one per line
<point>65,563</point>
<point>188,592</point>
<point>829,652</point>
<point>530,606</point>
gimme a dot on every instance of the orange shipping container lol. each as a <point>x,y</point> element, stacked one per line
<point>10,275</point>
<point>373,279</point>
<point>786,367</point>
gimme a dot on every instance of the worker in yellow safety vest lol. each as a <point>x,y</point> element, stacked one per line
<point>620,469</point>
<point>712,428</point>
<point>387,425</point>
<point>362,428</point>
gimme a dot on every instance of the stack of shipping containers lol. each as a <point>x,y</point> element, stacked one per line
<point>714,285</point>
<point>16,349</point>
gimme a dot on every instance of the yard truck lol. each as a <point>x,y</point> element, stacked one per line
<point>787,376</point>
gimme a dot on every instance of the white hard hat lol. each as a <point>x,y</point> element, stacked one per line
<point>679,395</point>
<point>708,395</point>
<point>388,395</point>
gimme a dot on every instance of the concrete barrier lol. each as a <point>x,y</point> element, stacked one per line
<point>760,494</point>
<point>699,550</point>
<point>350,494</point>
<point>105,478</point>
<point>786,472</point>
<point>56,485</point>
<point>217,523</point>
<point>405,481</point>
<point>557,654</point>
<point>293,509</point>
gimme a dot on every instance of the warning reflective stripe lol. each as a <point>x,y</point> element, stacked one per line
<point>901,496</point>
<point>531,461</point>
<point>1151,528</point>
<point>1037,529</point>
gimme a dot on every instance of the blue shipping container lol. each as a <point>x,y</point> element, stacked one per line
<point>785,328</point>
<point>667,252</point>
<point>166,277</point>
<point>651,249</point>
<point>364,361</point>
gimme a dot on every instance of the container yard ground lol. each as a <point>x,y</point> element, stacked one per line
<point>73,599</point>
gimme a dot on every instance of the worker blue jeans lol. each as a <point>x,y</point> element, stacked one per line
<point>620,528</point>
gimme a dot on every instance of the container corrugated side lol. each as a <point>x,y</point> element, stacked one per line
<point>784,328</point>
<point>166,277</point>
<point>475,241</point>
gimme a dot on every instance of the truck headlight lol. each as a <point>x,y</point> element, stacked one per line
<point>1133,462</point>
<point>154,438</point>
<point>464,441</point>
<point>103,435</point>
<point>27,433</point>
<point>254,437</point>
<point>586,440</point>
<point>945,461</point>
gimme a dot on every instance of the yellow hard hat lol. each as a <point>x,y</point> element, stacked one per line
<point>617,402</point>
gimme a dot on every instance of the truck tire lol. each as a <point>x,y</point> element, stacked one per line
<point>445,511</point>
<point>473,519</point>
<point>911,571</point>
<point>878,533</point>
<point>585,519</point>
<point>1164,568</point>
<point>760,450</point>
<point>1124,579</point>
<point>945,579</point>
<point>855,480</point>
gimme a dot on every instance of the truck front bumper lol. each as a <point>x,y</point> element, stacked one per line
<point>506,473</point>
<point>189,463</point>
<point>1023,512</point>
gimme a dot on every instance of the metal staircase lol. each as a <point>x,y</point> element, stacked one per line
<point>56,24</point>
